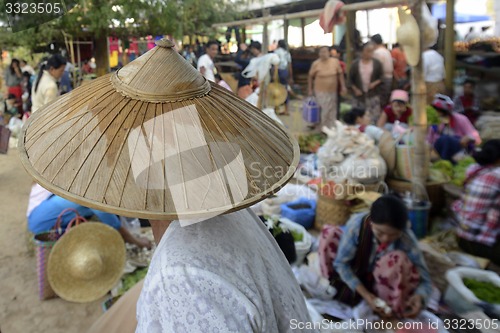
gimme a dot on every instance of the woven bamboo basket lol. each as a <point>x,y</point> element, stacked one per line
<point>331,211</point>
<point>156,140</point>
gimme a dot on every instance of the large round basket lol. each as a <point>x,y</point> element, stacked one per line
<point>331,211</point>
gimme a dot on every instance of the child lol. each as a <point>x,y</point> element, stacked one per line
<point>8,110</point>
<point>361,119</point>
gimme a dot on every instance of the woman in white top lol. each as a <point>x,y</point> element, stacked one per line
<point>45,89</point>
<point>285,73</point>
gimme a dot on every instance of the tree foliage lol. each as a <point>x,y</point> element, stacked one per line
<point>113,17</point>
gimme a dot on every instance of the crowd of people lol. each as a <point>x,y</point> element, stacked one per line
<point>375,256</point>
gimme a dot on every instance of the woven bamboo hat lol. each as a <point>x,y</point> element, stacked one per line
<point>156,140</point>
<point>86,262</point>
<point>276,94</point>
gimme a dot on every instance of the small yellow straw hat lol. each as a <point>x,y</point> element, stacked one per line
<point>86,262</point>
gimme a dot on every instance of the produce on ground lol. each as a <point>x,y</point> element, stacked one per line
<point>310,143</point>
<point>131,279</point>
<point>460,169</point>
<point>485,291</point>
<point>444,170</point>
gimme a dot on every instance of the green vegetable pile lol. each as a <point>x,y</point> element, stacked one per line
<point>297,236</point>
<point>443,170</point>
<point>485,291</point>
<point>310,143</point>
<point>277,227</point>
<point>460,169</point>
<point>129,280</point>
<point>432,116</point>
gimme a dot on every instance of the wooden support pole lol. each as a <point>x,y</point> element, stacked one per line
<point>349,38</point>
<point>449,47</point>
<point>286,24</point>
<point>303,29</point>
<point>419,102</point>
<point>265,39</point>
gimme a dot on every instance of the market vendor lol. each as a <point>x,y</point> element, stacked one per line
<point>468,103</point>
<point>478,212</point>
<point>361,119</point>
<point>397,110</point>
<point>455,133</point>
<point>45,207</point>
<point>377,258</point>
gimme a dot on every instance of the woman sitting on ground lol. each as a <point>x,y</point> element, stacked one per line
<point>397,110</point>
<point>45,207</point>
<point>361,120</point>
<point>454,134</point>
<point>478,212</point>
<point>377,256</point>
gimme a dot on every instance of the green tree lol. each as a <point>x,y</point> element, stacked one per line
<point>102,18</point>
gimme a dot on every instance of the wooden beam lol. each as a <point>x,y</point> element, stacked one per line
<point>419,102</point>
<point>377,4</point>
<point>449,47</point>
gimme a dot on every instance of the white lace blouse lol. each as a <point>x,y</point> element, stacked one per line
<point>226,274</point>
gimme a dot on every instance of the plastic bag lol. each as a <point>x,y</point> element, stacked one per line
<point>455,279</point>
<point>311,110</point>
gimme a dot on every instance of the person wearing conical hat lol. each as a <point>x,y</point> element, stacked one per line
<point>156,140</point>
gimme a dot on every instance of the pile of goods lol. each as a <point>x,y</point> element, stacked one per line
<point>485,291</point>
<point>445,171</point>
<point>350,155</point>
<point>489,125</point>
<point>310,143</point>
<point>486,45</point>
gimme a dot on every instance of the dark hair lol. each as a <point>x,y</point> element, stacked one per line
<point>212,42</point>
<point>282,44</point>
<point>377,39</point>
<point>351,116</point>
<point>390,210</point>
<point>489,153</point>
<point>56,61</point>
<point>11,63</point>
<point>217,76</point>
<point>365,45</point>
<point>11,96</point>
<point>256,45</point>
<point>395,45</point>
<point>470,81</point>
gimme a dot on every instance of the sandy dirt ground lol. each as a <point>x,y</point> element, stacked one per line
<point>20,309</point>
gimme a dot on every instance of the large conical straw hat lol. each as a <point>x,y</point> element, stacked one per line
<point>156,140</point>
